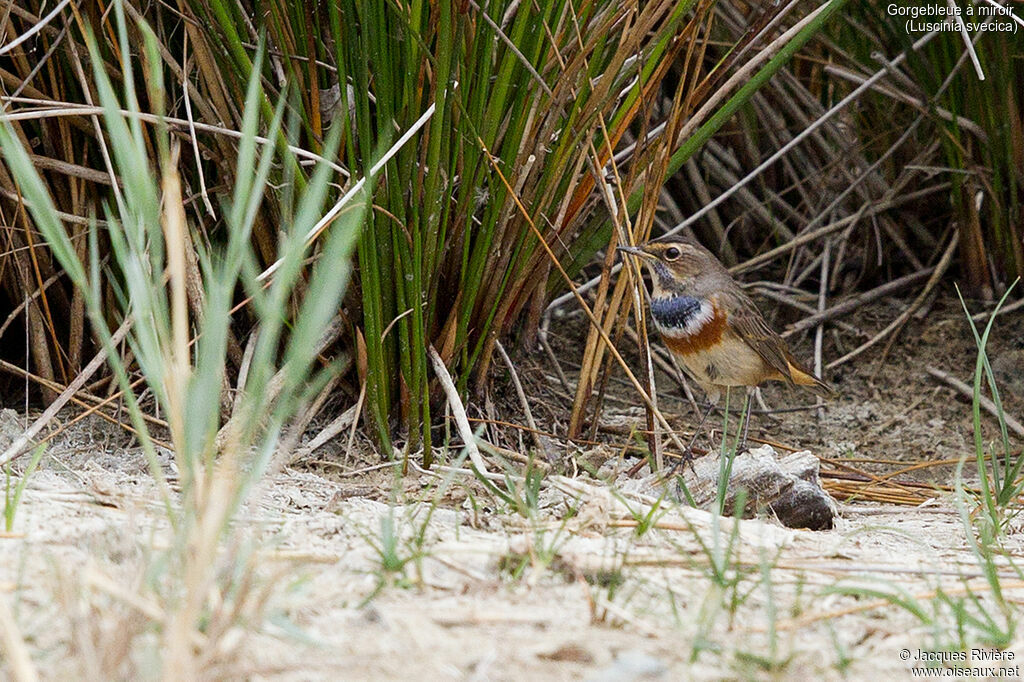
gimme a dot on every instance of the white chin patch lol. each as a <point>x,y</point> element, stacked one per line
<point>693,324</point>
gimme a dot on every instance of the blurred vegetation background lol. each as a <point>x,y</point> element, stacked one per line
<point>818,143</point>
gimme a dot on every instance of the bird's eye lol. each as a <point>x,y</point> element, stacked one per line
<point>672,253</point>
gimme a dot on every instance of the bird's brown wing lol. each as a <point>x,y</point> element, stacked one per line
<point>750,326</point>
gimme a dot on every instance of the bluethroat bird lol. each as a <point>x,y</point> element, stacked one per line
<point>711,325</point>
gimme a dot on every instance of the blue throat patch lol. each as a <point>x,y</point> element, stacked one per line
<point>675,312</point>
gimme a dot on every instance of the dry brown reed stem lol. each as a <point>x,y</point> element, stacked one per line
<point>66,109</point>
<point>519,457</point>
<point>625,232</point>
<point>583,304</point>
<point>654,175</point>
<point>71,169</point>
<point>210,497</point>
<point>883,484</point>
<point>66,217</point>
<point>614,310</point>
<point>444,468</point>
<point>614,313</point>
<point>177,369</point>
<point>847,491</point>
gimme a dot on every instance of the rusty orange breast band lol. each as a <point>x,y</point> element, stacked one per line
<point>709,335</point>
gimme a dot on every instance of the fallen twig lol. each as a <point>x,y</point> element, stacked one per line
<point>19,445</point>
<point>897,324</point>
<point>1009,308</point>
<point>458,410</point>
<point>968,391</point>
<point>856,301</point>
<point>343,421</point>
<point>534,431</point>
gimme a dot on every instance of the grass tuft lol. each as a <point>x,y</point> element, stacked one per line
<point>206,583</point>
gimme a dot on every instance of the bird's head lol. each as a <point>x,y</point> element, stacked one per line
<point>676,264</point>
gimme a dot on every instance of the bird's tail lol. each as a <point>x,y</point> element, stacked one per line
<point>804,377</point>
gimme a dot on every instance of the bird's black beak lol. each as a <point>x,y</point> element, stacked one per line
<point>633,251</point>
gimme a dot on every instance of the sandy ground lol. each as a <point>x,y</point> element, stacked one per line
<point>570,589</point>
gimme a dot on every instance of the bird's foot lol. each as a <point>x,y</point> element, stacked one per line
<point>685,459</point>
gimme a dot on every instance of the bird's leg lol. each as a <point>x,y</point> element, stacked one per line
<point>746,420</point>
<point>767,411</point>
<point>760,400</point>
<point>696,432</point>
<point>687,457</point>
